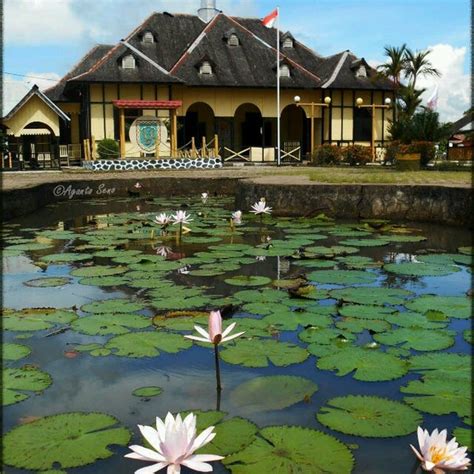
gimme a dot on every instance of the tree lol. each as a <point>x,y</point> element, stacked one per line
<point>410,99</point>
<point>417,64</point>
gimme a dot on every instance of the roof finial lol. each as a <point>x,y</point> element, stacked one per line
<point>208,10</point>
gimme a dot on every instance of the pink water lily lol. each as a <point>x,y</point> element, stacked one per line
<point>438,456</point>
<point>174,441</point>
<point>215,335</point>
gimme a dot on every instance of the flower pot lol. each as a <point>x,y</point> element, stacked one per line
<point>408,161</point>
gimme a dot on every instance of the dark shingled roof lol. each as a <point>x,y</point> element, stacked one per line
<point>56,92</point>
<point>182,42</point>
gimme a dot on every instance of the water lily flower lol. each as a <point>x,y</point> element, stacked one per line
<point>138,185</point>
<point>438,456</point>
<point>163,219</point>
<point>184,270</point>
<point>261,208</point>
<point>260,258</point>
<point>204,197</point>
<point>237,217</point>
<point>181,217</point>
<point>215,335</point>
<point>174,441</point>
<point>164,251</point>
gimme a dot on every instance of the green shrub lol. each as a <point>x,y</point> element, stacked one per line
<point>426,150</point>
<point>357,155</point>
<point>327,155</point>
<point>108,149</point>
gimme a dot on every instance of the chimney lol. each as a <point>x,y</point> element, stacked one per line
<point>208,10</point>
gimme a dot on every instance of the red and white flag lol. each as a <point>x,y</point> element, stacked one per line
<point>270,19</point>
<point>433,99</point>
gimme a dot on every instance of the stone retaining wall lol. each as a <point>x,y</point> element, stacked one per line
<point>436,204</point>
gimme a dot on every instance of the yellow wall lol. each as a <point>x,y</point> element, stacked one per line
<point>35,110</point>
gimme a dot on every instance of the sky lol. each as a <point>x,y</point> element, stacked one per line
<point>45,38</point>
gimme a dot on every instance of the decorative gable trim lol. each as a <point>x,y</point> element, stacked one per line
<point>336,71</point>
<point>144,56</point>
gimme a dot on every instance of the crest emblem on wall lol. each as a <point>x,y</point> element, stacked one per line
<point>147,132</point>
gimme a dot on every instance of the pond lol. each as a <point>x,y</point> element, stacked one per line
<point>355,334</point>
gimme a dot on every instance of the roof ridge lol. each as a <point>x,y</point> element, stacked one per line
<point>294,63</point>
<point>101,61</point>
<point>336,71</point>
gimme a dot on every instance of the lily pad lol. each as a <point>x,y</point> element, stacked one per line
<point>357,262</point>
<point>464,437</point>
<point>324,336</point>
<point>104,281</point>
<point>452,306</point>
<point>442,366</point>
<point>248,280</point>
<point>409,319</point>
<point>47,282</point>
<point>147,392</point>
<point>98,271</point>
<point>12,351</point>
<point>365,311</point>
<point>36,319</point>
<point>359,325</point>
<point>418,339</point>
<point>66,257</point>
<point>103,324</point>
<point>420,269</point>
<point>371,296</point>
<point>445,259</point>
<point>292,449</point>
<point>371,417</point>
<point>290,320</point>
<point>18,381</point>
<point>367,364</point>
<point>253,353</point>
<point>272,393</point>
<point>331,252</point>
<point>342,277</point>
<point>120,305</point>
<point>68,439</point>
<point>364,242</point>
<point>147,344</point>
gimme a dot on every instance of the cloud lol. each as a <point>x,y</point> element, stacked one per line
<point>453,85</point>
<point>15,89</point>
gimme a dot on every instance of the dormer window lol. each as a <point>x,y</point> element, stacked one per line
<point>284,70</point>
<point>128,62</point>
<point>205,68</point>
<point>148,37</point>
<point>288,42</point>
<point>233,40</point>
<point>361,71</point>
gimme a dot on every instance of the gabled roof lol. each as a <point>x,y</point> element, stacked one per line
<point>34,91</point>
<point>462,122</point>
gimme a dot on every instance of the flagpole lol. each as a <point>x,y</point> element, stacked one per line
<point>278,88</point>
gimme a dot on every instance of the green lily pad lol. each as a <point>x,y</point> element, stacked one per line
<point>47,282</point>
<point>248,280</point>
<point>420,269</point>
<point>68,439</point>
<point>364,242</point>
<point>119,305</point>
<point>29,247</point>
<point>464,437</point>
<point>439,396</point>
<point>66,257</point>
<point>147,344</point>
<point>292,449</point>
<point>314,263</point>
<point>409,319</point>
<point>371,296</point>
<point>272,393</point>
<point>367,364</point>
<point>98,271</point>
<point>324,336</point>
<point>104,281</point>
<point>452,306</point>
<point>18,381</point>
<point>365,311</point>
<point>253,353</point>
<point>466,250</point>
<point>357,262</point>
<point>404,238</point>
<point>103,324</point>
<point>147,392</point>
<point>445,259</point>
<point>359,325</point>
<point>36,319</point>
<point>371,417</point>
<point>342,277</point>
<point>418,339</point>
<point>181,320</point>
<point>331,252</point>
<point>266,295</point>
<point>12,351</point>
<point>287,320</point>
<point>442,366</point>
<point>468,336</point>
<point>178,302</point>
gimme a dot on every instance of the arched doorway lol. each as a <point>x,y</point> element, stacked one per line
<point>199,122</point>
<point>294,128</point>
<point>248,125</point>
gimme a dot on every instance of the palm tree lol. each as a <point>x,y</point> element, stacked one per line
<point>410,100</point>
<point>417,64</point>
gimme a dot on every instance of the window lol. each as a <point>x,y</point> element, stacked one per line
<point>148,37</point>
<point>362,125</point>
<point>288,42</point>
<point>233,40</point>
<point>205,68</point>
<point>361,71</point>
<point>128,62</point>
<point>284,70</point>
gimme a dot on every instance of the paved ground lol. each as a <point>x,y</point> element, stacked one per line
<point>264,174</point>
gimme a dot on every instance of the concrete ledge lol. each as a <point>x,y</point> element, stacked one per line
<point>435,204</point>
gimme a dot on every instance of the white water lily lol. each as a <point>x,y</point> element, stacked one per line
<point>164,251</point>
<point>184,270</point>
<point>260,258</point>
<point>204,197</point>
<point>215,335</point>
<point>438,456</point>
<point>237,217</point>
<point>261,208</point>
<point>163,219</point>
<point>174,441</point>
<point>137,185</point>
<point>181,217</point>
